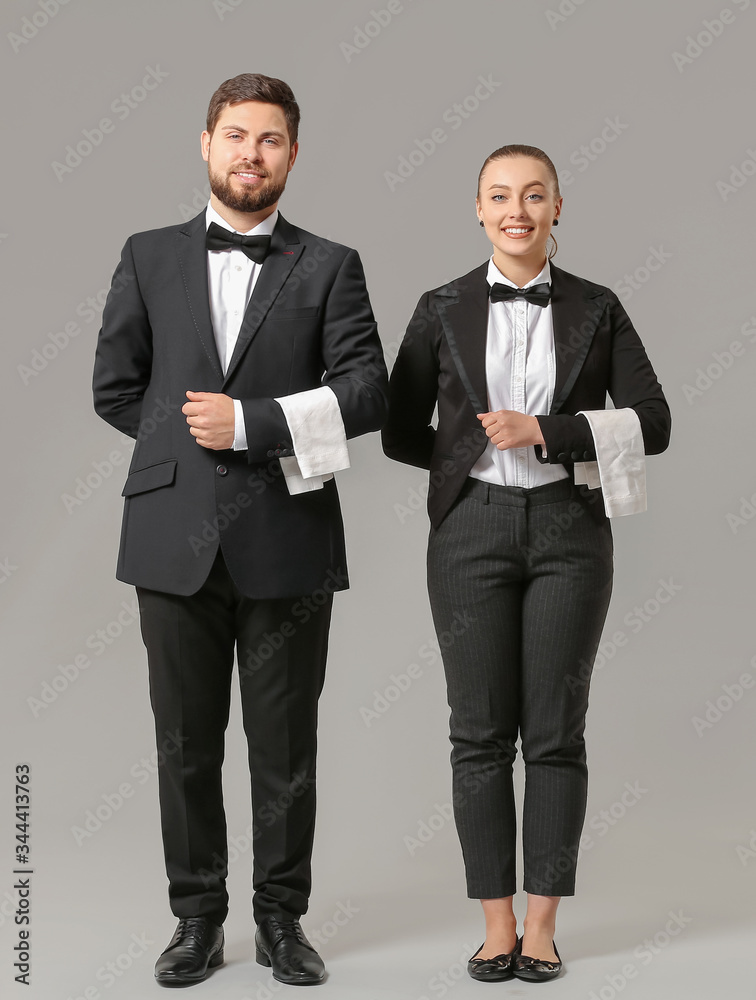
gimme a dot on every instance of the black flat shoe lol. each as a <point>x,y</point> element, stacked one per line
<point>490,970</point>
<point>282,946</point>
<point>196,946</point>
<point>534,970</point>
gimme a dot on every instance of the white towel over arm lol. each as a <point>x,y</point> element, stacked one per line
<point>319,439</point>
<point>620,466</point>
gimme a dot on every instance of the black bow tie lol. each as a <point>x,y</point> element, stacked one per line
<point>255,247</point>
<point>539,295</point>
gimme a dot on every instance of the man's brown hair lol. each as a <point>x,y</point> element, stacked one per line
<point>255,87</point>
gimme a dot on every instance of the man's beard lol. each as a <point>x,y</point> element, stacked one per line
<point>254,200</point>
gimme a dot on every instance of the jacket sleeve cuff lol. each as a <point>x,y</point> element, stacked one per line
<point>567,439</point>
<point>266,430</point>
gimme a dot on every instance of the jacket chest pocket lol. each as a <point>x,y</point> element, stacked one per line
<point>304,312</point>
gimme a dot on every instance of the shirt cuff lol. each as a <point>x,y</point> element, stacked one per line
<point>240,430</point>
<point>317,431</point>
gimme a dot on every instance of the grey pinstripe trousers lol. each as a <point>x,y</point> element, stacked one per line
<point>532,572</point>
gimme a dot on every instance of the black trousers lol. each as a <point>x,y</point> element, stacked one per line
<point>529,571</point>
<point>281,649</point>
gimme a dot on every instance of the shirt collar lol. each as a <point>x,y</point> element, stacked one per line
<point>494,275</point>
<point>265,228</point>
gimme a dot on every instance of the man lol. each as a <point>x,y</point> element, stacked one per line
<point>241,352</point>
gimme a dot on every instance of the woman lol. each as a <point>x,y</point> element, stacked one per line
<point>519,356</point>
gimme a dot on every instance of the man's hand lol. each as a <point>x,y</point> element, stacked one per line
<point>511,429</point>
<point>210,416</point>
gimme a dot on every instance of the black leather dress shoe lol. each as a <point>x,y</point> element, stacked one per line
<point>534,970</point>
<point>491,970</point>
<point>281,945</point>
<point>196,947</point>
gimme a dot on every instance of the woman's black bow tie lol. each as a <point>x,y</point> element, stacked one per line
<point>539,295</point>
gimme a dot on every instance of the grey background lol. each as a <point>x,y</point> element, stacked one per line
<point>683,843</point>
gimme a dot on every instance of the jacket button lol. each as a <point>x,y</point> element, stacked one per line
<point>277,452</point>
<point>270,454</point>
<point>221,470</point>
<point>562,456</point>
<point>575,456</point>
<point>586,455</point>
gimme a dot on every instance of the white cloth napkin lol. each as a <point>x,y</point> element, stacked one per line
<point>318,436</point>
<point>620,466</point>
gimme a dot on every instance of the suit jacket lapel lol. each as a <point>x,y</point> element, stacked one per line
<point>192,258</point>
<point>463,310</point>
<point>285,251</point>
<point>576,308</point>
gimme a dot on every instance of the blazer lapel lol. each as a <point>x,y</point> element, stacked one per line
<point>285,251</point>
<point>192,258</point>
<point>576,308</point>
<point>462,308</point>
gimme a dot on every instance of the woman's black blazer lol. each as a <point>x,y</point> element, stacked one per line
<point>442,360</point>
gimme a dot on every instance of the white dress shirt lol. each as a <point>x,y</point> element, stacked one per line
<point>314,418</point>
<point>520,373</point>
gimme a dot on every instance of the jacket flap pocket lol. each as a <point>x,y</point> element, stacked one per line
<point>151,478</point>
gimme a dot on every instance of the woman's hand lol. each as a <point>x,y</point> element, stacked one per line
<point>511,429</point>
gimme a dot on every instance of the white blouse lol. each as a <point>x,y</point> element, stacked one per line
<point>520,373</point>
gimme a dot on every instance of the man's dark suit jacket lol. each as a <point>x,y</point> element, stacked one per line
<point>443,359</point>
<point>309,323</point>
